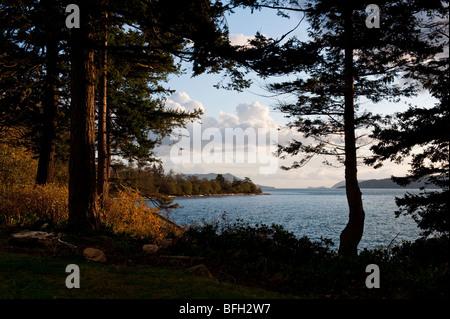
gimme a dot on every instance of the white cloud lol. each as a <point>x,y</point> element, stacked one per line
<point>239,38</point>
<point>254,116</point>
<point>243,141</point>
<point>182,101</point>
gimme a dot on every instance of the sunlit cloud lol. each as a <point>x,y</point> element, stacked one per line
<point>208,134</point>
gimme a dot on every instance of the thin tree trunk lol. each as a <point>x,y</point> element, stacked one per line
<point>103,153</point>
<point>83,211</point>
<point>50,105</point>
<point>352,233</point>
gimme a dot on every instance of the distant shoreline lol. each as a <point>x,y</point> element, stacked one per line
<point>217,195</point>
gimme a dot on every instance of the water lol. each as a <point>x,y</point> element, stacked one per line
<point>313,213</point>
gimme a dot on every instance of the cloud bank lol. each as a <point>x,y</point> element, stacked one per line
<point>247,119</point>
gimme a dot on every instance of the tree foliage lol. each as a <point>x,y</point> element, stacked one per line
<point>421,135</point>
<point>151,181</point>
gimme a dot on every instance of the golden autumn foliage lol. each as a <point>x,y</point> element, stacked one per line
<point>29,203</point>
<point>17,165</point>
<point>23,202</point>
<point>129,212</point>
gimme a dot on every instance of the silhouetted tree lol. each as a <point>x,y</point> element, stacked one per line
<point>343,64</point>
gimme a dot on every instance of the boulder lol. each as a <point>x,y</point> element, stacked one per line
<point>30,237</point>
<point>200,270</point>
<point>165,242</point>
<point>151,249</point>
<point>93,254</point>
<point>51,241</point>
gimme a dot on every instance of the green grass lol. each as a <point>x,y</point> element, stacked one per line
<point>31,277</point>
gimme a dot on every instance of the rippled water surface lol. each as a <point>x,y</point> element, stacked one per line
<point>306,212</point>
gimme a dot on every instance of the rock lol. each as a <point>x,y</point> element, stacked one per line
<point>93,254</point>
<point>165,242</point>
<point>200,270</point>
<point>50,241</point>
<point>30,237</point>
<point>151,249</point>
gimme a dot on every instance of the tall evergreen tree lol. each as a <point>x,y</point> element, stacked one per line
<point>103,141</point>
<point>32,33</point>
<point>168,28</point>
<point>343,65</point>
<point>83,209</point>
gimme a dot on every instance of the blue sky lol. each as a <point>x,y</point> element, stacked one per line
<point>253,108</point>
<point>241,24</point>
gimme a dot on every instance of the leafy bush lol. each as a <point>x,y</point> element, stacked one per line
<point>25,204</point>
<point>21,201</point>
<point>272,257</point>
<point>130,213</point>
<point>17,167</point>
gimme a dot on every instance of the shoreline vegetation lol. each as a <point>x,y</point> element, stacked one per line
<point>153,181</point>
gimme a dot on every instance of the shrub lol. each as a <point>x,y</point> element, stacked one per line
<point>130,213</point>
<point>274,258</point>
<point>16,165</point>
<point>24,204</point>
<point>21,201</point>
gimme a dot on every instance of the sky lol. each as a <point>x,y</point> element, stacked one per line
<point>251,115</point>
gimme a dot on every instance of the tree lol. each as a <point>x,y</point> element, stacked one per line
<point>343,65</point>
<point>83,209</point>
<point>423,134</point>
<point>186,187</point>
<point>205,187</point>
<point>215,186</point>
<point>138,118</point>
<point>50,103</point>
<point>428,130</point>
<point>32,33</point>
<point>104,143</point>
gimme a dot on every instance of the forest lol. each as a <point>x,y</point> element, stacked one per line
<point>153,180</point>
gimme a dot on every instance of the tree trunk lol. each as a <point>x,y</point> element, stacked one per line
<point>83,212</point>
<point>103,144</point>
<point>352,233</point>
<point>50,104</point>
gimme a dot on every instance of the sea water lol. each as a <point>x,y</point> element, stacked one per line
<point>314,213</point>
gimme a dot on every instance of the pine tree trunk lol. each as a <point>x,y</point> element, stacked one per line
<point>50,105</point>
<point>352,233</point>
<point>103,144</point>
<point>83,212</point>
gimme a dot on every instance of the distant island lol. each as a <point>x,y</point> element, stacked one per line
<point>383,183</point>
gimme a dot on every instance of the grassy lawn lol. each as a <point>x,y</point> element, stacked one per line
<point>24,276</point>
